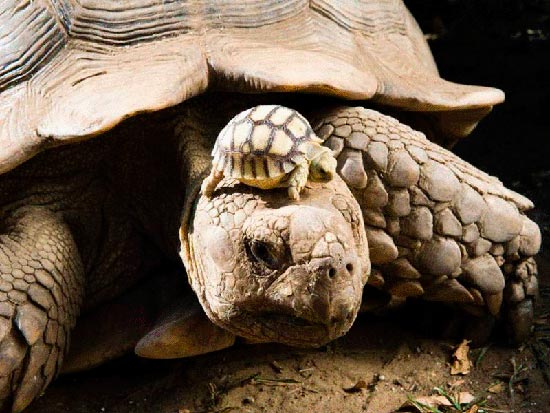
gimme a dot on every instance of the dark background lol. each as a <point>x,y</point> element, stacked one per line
<point>504,44</point>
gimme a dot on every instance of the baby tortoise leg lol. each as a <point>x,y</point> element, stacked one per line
<point>41,289</point>
<point>437,227</point>
<point>211,182</point>
<point>297,181</point>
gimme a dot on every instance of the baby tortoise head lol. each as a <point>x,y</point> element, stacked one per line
<point>271,270</point>
<point>268,147</point>
<point>322,165</point>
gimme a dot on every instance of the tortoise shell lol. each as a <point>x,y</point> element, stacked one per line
<point>70,70</point>
<point>264,142</point>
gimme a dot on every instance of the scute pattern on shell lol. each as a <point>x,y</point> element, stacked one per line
<point>65,65</point>
<point>262,142</point>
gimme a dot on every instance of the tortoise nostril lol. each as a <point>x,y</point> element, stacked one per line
<point>334,271</point>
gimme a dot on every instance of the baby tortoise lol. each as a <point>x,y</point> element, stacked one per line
<point>269,146</point>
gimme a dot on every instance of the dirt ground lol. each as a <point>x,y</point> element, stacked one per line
<point>388,358</point>
<point>394,361</point>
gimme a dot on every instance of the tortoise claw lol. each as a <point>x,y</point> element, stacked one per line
<point>40,306</point>
<point>293,193</point>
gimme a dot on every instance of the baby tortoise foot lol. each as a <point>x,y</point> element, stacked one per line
<point>297,181</point>
<point>211,182</point>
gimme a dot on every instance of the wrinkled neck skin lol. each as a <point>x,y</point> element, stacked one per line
<point>267,268</point>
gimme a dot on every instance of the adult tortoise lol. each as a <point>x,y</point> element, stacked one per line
<point>91,227</point>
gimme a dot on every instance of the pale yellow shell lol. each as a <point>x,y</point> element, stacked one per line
<point>264,142</point>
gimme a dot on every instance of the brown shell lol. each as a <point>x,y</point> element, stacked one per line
<point>73,69</point>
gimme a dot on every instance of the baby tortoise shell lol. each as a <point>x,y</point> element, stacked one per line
<point>269,146</point>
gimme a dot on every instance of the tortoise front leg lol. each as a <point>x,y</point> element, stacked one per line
<point>297,180</point>
<point>41,290</point>
<point>211,182</point>
<point>437,227</point>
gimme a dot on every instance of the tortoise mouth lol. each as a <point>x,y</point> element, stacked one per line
<point>270,326</point>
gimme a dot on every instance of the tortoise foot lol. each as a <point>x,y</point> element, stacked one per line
<point>41,287</point>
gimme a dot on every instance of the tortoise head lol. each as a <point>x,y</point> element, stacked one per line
<point>322,166</point>
<point>272,270</point>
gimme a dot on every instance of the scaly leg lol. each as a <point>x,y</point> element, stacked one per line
<point>41,290</point>
<point>211,182</point>
<point>438,228</point>
<point>297,181</point>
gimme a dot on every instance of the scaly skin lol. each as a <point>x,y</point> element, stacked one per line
<point>437,228</point>
<point>267,268</point>
<point>72,225</point>
<point>297,181</point>
<point>41,291</point>
<point>95,220</point>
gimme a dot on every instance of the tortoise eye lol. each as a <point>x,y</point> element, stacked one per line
<point>263,253</point>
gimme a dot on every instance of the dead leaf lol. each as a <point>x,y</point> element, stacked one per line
<point>435,401</point>
<point>461,363</point>
<point>456,383</point>
<point>440,400</point>
<point>465,397</point>
<point>361,384</point>
<point>496,388</point>
<point>473,409</point>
